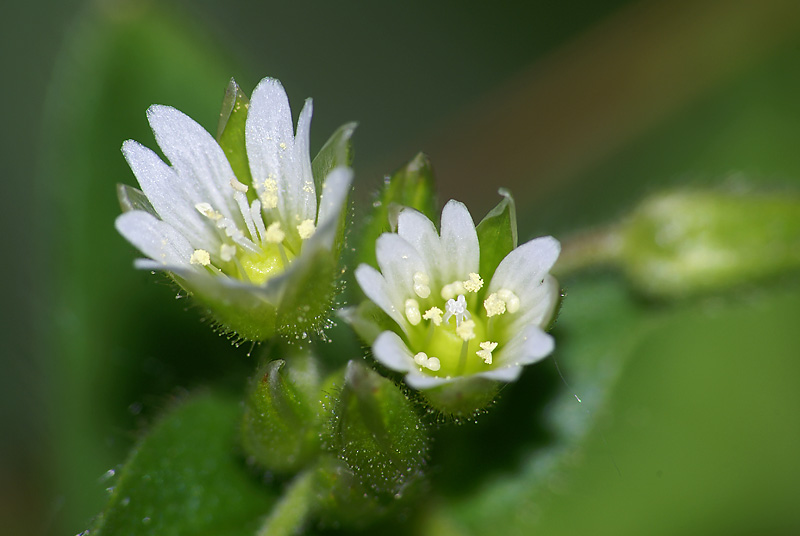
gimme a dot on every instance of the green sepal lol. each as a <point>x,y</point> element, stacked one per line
<point>343,500</point>
<point>413,185</point>
<point>497,234</point>
<point>377,433</point>
<point>184,477</point>
<point>131,198</point>
<point>688,242</point>
<point>231,133</point>
<point>280,425</point>
<point>337,152</point>
<point>464,397</point>
<point>367,320</point>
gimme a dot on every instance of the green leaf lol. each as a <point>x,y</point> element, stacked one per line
<point>337,151</point>
<point>497,234</point>
<point>412,185</point>
<point>231,133</point>
<point>186,478</point>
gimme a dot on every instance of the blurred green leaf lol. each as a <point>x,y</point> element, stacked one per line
<point>701,417</point>
<point>117,340</point>
<point>185,478</point>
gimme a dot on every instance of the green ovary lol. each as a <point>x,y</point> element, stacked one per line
<point>271,262</point>
<point>443,343</point>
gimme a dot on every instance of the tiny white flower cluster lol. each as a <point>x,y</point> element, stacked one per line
<point>223,238</point>
<point>450,325</point>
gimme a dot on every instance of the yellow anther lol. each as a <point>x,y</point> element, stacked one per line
<point>269,200</point>
<point>412,312</point>
<point>227,252</point>
<point>208,211</point>
<point>511,299</point>
<point>306,229</point>
<point>421,359</point>
<point>433,364</point>
<point>238,186</point>
<point>274,233</point>
<point>485,353</point>
<point>474,283</point>
<point>466,330</point>
<point>200,256</point>
<point>282,145</point>
<point>494,305</point>
<point>421,287</point>
<point>434,314</point>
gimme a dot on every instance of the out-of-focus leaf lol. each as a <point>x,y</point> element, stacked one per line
<point>185,478</point>
<point>702,418</point>
<point>117,337</point>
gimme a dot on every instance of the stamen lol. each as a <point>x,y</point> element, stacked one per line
<point>485,353</point>
<point>238,186</point>
<point>511,299</point>
<point>200,256</point>
<point>227,252</point>
<point>474,283</point>
<point>269,197</point>
<point>434,314</point>
<point>421,287</point>
<point>306,229</point>
<point>466,330</point>
<point>457,308</point>
<point>430,363</point>
<point>255,211</point>
<point>494,305</point>
<point>451,290</point>
<point>274,233</point>
<point>412,312</point>
<point>247,216</point>
<point>208,211</point>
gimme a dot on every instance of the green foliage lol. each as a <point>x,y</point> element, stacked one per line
<point>186,478</point>
<point>337,151</point>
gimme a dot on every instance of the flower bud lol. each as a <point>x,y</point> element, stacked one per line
<point>687,242</point>
<point>281,424</point>
<point>378,437</point>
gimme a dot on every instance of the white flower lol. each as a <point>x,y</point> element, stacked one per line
<point>451,325</point>
<point>238,245</point>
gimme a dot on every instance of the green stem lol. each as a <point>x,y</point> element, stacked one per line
<point>595,247</point>
<point>294,508</point>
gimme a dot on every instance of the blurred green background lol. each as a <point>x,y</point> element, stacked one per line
<point>691,418</point>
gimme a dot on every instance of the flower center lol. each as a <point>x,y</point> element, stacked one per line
<point>258,267</point>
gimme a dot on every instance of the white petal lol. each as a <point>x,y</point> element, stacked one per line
<point>374,286</point>
<point>526,264</point>
<point>195,156</point>
<point>269,140</point>
<point>537,304</point>
<point>390,350</point>
<point>398,261</point>
<point>526,347</point>
<point>174,199</point>
<point>305,192</point>
<point>416,229</point>
<point>416,380</point>
<point>504,374</point>
<point>155,238</point>
<point>460,249</point>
